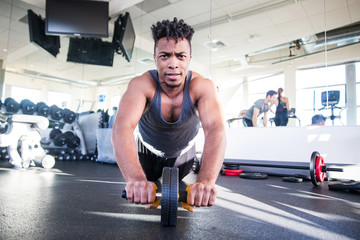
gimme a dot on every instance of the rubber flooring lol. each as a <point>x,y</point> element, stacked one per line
<point>82,200</point>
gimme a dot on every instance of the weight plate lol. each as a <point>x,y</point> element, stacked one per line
<point>292,179</point>
<point>174,190</point>
<point>165,190</point>
<point>254,175</point>
<point>229,172</point>
<point>231,166</point>
<point>353,185</point>
<point>313,177</point>
<point>320,175</point>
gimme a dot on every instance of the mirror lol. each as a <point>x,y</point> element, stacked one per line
<point>245,47</point>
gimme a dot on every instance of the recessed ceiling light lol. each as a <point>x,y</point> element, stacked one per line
<point>5,50</point>
<point>253,38</point>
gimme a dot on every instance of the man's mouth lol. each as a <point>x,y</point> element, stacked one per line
<point>173,75</point>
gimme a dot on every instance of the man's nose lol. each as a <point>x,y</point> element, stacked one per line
<point>173,63</point>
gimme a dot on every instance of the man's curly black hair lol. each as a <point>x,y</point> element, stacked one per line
<point>175,30</point>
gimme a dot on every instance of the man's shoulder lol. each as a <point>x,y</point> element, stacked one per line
<point>198,80</point>
<point>145,83</point>
<point>144,78</point>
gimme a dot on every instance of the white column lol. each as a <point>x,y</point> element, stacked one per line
<point>351,111</point>
<point>2,79</point>
<point>245,93</point>
<point>290,84</point>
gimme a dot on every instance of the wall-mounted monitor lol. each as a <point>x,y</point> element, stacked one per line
<point>330,98</point>
<point>90,51</point>
<point>77,17</point>
<point>37,34</point>
<point>124,36</point>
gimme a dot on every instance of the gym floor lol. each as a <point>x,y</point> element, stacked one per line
<point>82,200</point>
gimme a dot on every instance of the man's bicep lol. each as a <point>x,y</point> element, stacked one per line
<point>256,111</point>
<point>131,106</point>
<point>210,110</point>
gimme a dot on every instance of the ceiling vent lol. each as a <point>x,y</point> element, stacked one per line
<point>146,60</point>
<point>215,45</point>
<point>149,6</point>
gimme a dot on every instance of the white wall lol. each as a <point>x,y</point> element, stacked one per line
<point>295,144</point>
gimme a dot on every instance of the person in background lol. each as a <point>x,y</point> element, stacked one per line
<point>259,107</point>
<point>318,120</point>
<point>112,117</point>
<point>282,109</point>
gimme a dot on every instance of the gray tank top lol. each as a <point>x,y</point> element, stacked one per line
<point>170,138</point>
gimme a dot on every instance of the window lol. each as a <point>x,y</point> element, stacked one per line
<point>62,100</point>
<point>310,84</point>
<point>19,94</point>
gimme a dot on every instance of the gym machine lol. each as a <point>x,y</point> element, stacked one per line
<point>21,137</point>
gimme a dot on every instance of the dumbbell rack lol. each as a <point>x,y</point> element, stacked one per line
<point>58,119</point>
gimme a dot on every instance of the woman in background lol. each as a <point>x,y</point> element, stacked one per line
<point>282,109</point>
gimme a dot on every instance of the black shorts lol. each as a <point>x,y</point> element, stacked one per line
<point>153,164</point>
<point>247,122</point>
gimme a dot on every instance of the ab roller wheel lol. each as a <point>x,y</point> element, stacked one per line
<point>170,196</point>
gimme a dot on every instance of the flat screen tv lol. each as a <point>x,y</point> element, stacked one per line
<point>330,97</point>
<point>90,51</point>
<point>37,34</point>
<point>77,17</point>
<point>124,36</point>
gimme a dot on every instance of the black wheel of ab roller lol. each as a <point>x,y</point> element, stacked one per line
<point>165,190</point>
<point>174,189</point>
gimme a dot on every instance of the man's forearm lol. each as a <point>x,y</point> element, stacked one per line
<point>254,121</point>
<point>125,151</point>
<point>213,157</point>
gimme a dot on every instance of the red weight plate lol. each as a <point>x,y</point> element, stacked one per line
<point>229,172</point>
<point>320,175</point>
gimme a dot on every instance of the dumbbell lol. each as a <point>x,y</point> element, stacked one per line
<point>56,113</point>
<point>69,116</point>
<point>79,156</point>
<point>72,141</point>
<point>4,128</point>
<point>4,154</point>
<point>317,167</point>
<point>42,109</point>
<point>170,196</point>
<point>11,105</point>
<point>27,107</point>
<point>58,137</point>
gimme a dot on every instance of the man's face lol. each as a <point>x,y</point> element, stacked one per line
<point>273,98</point>
<point>172,61</point>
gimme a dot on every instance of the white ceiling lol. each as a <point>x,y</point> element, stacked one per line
<point>244,26</point>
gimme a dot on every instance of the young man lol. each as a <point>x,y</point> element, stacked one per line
<point>167,104</point>
<point>318,120</point>
<point>259,107</point>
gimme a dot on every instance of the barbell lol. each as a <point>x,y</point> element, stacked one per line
<point>317,167</point>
